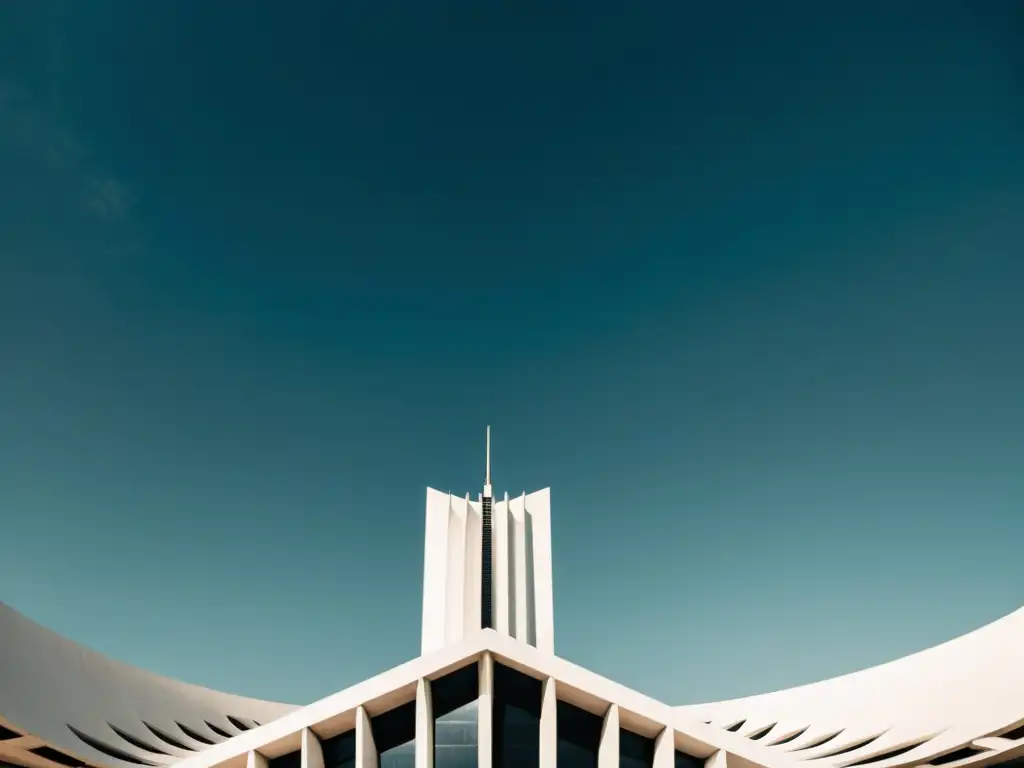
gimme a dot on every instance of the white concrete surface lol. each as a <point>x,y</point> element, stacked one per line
<point>312,753</point>
<point>485,712</point>
<point>549,724</point>
<point>965,691</point>
<point>366,750</point>
<point>424,748</point>
<point>608,751</point>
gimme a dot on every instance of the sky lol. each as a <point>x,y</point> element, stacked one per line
<point>740,282</point>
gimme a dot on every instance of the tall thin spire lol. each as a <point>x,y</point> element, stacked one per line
<point>487,473</point>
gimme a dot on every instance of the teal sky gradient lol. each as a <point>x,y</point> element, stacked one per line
<point>741,282</point>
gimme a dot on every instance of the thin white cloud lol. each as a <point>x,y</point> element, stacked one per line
<point>50,160</point>
<point>109,199</point>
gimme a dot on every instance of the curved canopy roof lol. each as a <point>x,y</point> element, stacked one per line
<point>63,704</point>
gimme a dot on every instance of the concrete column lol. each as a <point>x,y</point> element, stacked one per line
<point>717,760</point>
<point>665,749</point>
<point>255,760</point>
<point>366,750</point>
<point>548,724</point>
<point>608,752</point>
<point>312,754</point>
<point>424,725</point>
<point>485,713</point>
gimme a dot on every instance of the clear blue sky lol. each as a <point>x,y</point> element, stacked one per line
<point>741,282</point>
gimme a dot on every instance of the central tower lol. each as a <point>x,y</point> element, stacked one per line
<point>487,565</point>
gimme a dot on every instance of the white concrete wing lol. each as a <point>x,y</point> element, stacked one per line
<point>956,704</point>
<point>64,705</point>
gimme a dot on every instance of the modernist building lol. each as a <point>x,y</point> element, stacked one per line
<point>488,691</point>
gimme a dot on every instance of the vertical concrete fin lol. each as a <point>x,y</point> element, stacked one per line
<point>548,724</point>
<point>538,504</point>
<point>366,750</point>
<point>499,526</point>
<point>435,571</point>
<point>473,563</point>
<point>312,753</point>
<point>485,713</point>
<point>665,749</point>
<point>519,569</point>
<point>608,751</point>
<point>456,587</point>
<point>718,760</point>
<point>424,725</point>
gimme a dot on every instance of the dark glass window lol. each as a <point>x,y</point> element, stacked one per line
<point>394,733</point>
<point>516,719</point>
<point>219,731</point>
<point>486,572</point>
<point>340,751</point>
<point>194,734</point>
<point>167,738</point>
<point>635,751</point>
<point>49,753</point>
<point>579,736</point>
<point>237,723</point>
<point>291,760</point>
<point>960,754</point>
<point>7,733</point>
<point>787,739</point>
<point>684,760</point>
<point>455,702</point>
<point>886,755</point>
<point>136,742</point>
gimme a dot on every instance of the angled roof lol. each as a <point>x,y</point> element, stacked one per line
<point>337,713</point>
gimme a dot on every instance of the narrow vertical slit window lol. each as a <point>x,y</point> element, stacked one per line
<point>487,572</point>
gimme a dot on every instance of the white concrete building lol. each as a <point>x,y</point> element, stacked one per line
<point>488,690</point>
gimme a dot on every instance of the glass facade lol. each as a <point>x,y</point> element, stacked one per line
<point>684,760</point>
<point>394,733</point>
<point>455,700</point>
<point>340,751</point>
<point>291,760</point>
<point>635,751</point>
<point>516,723</point>
<point>579,737</point>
